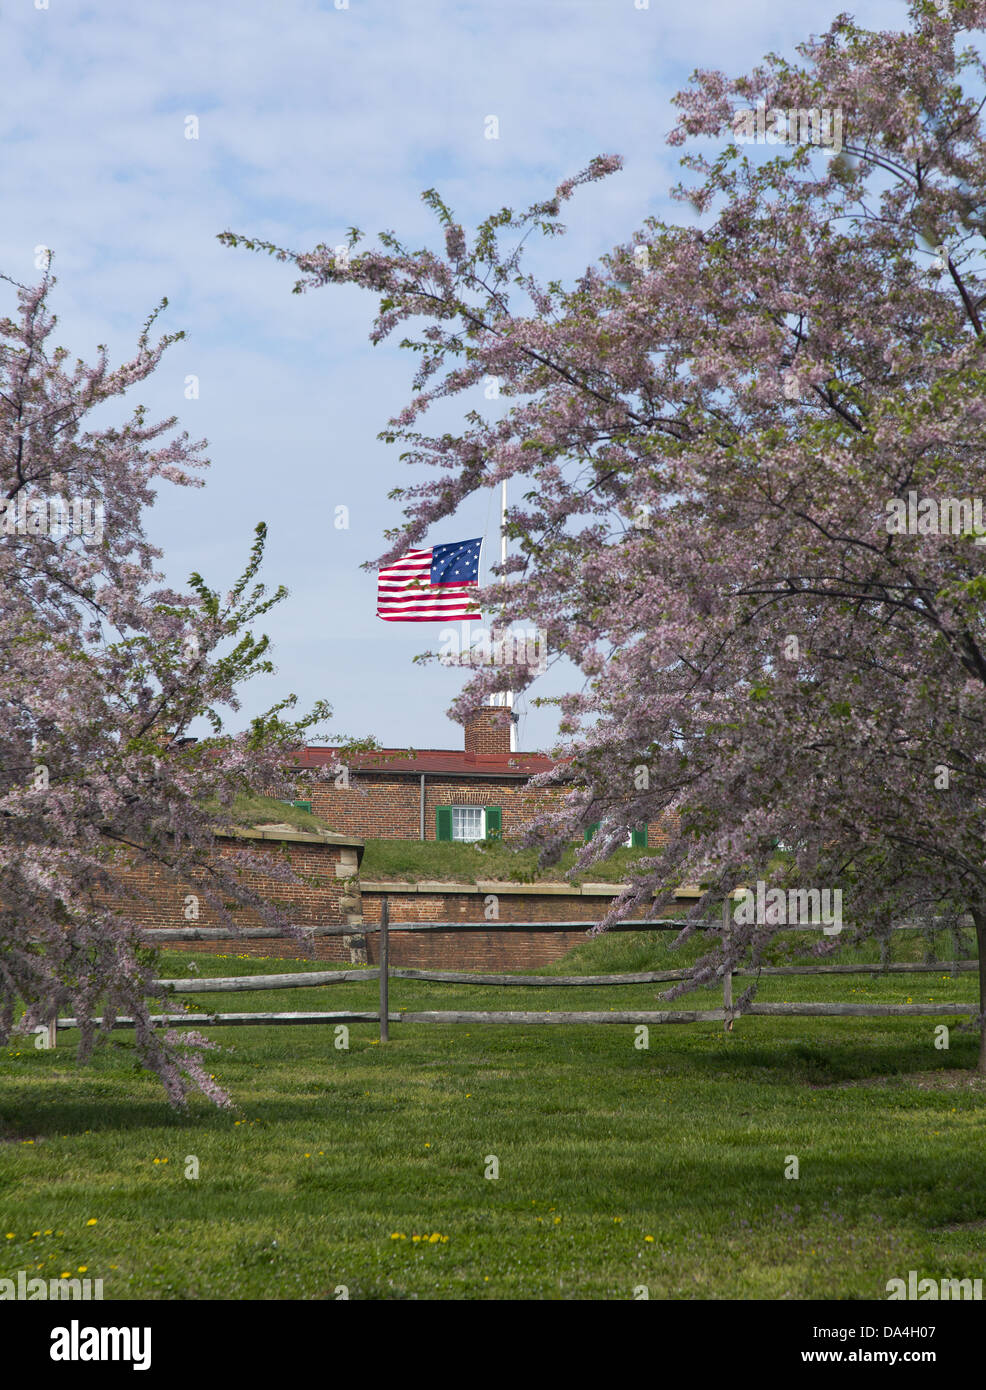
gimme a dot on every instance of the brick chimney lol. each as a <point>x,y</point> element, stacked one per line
<point>488,731</point>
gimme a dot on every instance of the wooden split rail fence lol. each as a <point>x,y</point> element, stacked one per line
<point>385,973</point>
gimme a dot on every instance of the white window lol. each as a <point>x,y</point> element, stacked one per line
<point>468,823</point>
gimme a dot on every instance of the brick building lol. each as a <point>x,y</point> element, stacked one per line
<point>476,793</point>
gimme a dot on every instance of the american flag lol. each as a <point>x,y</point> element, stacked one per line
<point>430,586</point>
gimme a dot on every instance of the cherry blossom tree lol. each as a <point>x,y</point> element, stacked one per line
<point>103,670</point>
<point>724,437</point>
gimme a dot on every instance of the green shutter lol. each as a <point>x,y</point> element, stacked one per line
<point>494,823</point>
<point>638,838</point>
<point>592,830</point>
<point>443,822</point>
<point>302,805</point>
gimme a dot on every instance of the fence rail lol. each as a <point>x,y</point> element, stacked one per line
<point>164,934</point>
<point>227,984</point>
<point>827,1010</point>
<point>238,1020</point>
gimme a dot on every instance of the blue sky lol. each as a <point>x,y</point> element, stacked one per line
<point>312,119</point>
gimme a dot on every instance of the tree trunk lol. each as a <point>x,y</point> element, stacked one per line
<point>979,917</point>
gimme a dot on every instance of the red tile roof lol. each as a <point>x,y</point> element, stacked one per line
<point>438,760</point>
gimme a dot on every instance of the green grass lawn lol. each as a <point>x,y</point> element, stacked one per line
<point>618,1167</point>
<point>250,809</point>
<point>414,860</point>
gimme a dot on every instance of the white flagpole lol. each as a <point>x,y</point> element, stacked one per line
<point>503,522</point>
<point>507,697</point>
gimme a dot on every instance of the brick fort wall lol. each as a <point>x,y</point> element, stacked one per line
<point>323,896</point>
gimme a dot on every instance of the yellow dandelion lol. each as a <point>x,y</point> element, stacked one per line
<point>93,1220</point>
<point>65,1274</point>
<point>83,1268</point>
<point>649,1238</point>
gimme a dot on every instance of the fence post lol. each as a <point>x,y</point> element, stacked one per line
<point>53,1030</point>
<point>384,967</point>
<point>727,975</point>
